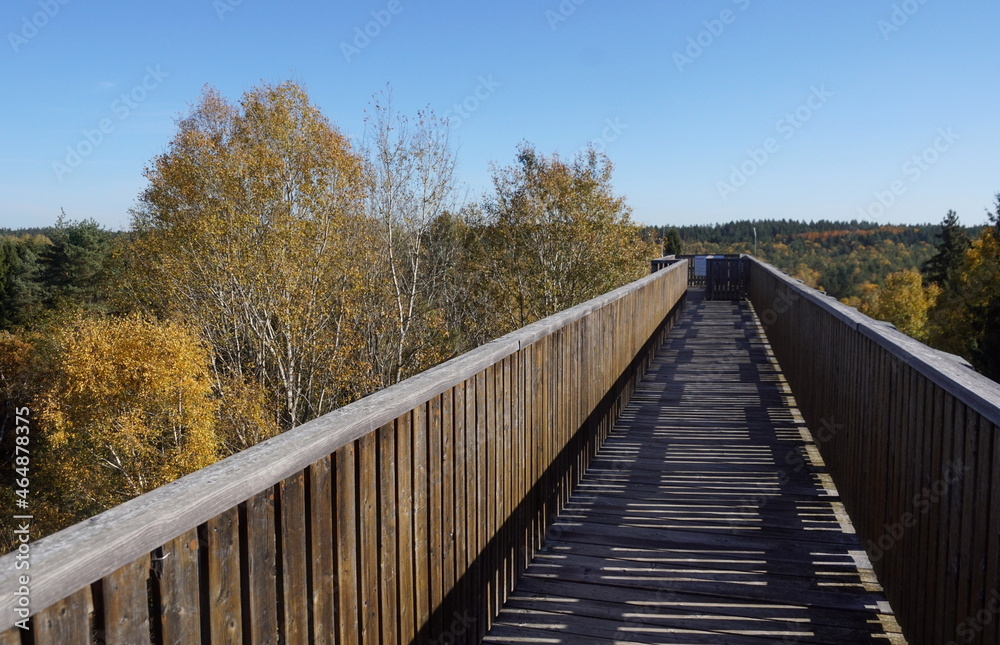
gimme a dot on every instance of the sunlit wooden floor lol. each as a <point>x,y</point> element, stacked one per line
<point>707,518</point>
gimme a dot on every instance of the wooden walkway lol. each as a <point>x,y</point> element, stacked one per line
<point>708,517</point>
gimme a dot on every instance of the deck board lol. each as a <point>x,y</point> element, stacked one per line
<point>707,517</point>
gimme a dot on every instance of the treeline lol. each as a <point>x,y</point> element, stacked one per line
<point>274,271</point>
<point>837,257</point>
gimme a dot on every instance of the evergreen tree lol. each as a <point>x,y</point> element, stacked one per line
<point>942,267</point>
<point>672,243</point>
<point>75,263</point>
<point>21,290</point>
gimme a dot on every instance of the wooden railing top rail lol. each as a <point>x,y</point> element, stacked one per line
<point>948,371</point>
<point>77,556</point>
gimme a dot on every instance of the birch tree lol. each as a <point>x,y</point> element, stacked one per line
<point>557,235</point>
<point>410,167</point>
<point>252,228</point>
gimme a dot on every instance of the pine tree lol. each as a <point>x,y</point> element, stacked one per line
<point>943,266</point>
<point>75,263</point>
<point>672,243</point>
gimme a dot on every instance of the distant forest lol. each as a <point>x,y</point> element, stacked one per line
<point>837,257</point>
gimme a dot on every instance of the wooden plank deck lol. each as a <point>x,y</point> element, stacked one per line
<point>708,516</point>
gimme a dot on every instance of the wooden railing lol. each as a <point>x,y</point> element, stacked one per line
<point>911,438</point>
<point>404,517</point>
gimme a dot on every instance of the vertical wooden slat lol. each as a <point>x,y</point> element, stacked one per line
<point>952,498</point>
<point>368,538</point>
<point>517,421</point>
<point>126,603</point>
<point>895,507</point>
<point>503,471</point>
<point>494,441</point>
<point>448,506</point>
<point>461,519</point>
<point>349,618</point>
<point>914,464</point>
<point>965,606</point>
<point>406,614</point>
<point>262,569</point>
<point>936,514</point>
<point>323,560</point>
<point>66,622</point>
<point>421,519</point>
<point>11,636</point>
<point>180,614</point>
<point>434,504</point>
<point>482,499</point>
<point>388,505</point>
<point>294,560</point>
<point>472,510</point>
<point>223,554</point>
<point>926,398</point>
<point>535,446</point>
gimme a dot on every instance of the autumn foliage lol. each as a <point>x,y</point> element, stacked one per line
<point>274,271</point>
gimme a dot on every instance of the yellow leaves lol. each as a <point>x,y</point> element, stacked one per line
<point>558,235</point>
<point>128,407</point>
<point>249,230</point>
<point>903,301</point>
<point>246,415</point>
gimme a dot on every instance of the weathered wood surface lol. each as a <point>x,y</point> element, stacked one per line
<point>912,441</point>
<point>405,517</point>
<point>707,517</point>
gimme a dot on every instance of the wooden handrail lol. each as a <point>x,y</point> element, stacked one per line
<point>395,517</point>
<point>910,435</point>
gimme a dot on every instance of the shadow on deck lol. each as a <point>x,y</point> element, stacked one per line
<point>707,517</point>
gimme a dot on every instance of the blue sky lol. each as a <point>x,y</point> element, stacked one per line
<point>710,110</point>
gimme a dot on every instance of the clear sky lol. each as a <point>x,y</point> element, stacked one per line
<point>711,110</point>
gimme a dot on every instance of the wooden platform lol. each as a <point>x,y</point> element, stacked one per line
<point>707,518</point>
